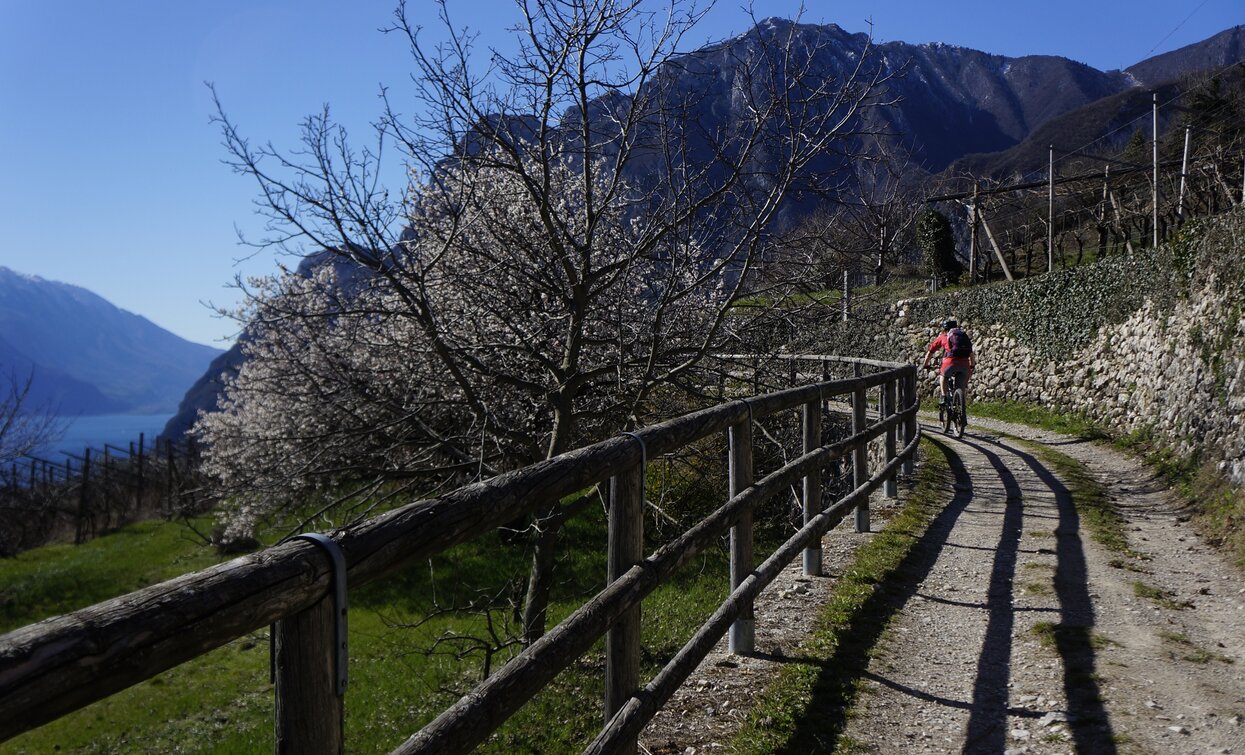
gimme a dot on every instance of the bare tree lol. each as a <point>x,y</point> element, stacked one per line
<point>570,249</point>
<point>24,428</point>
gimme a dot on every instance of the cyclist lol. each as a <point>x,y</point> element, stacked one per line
<point>957,357</point>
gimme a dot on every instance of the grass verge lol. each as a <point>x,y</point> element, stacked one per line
<point>806,707</point>
<point>1076,425</point>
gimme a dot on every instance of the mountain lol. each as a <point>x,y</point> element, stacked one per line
<point>1109,122</point>
<point>949,102</point>
<point>86,355</point>
<point>1218,52</point>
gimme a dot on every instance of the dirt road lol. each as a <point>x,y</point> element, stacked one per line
<point>1021,634</point>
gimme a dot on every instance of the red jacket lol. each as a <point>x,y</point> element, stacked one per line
<point>942,342</point>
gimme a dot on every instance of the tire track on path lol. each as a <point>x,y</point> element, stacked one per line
<point>1017,634</point>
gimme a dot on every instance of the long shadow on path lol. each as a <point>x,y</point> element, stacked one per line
<point>1074,640</point>
<point>824,718</point>
<point>987,717</point>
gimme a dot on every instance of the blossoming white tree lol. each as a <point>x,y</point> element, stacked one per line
<point>572,242</point>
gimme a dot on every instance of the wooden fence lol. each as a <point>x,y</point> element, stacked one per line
<point>58,665</point>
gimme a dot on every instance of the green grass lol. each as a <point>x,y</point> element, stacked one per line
<point>894,289</point>
<point>1053,636</point>
<point>1218,507</point>
<point>1089,496</point>
<point>807,705</point>
<point>222,702</point>
<point>1076,425</point>
<point>1159,596</point>
<point>1188,651</point>
<point>59,578</point>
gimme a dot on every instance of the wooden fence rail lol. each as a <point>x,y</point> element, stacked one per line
<point>63,663</point>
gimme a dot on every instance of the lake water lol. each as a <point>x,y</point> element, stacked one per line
<point>114,429</point>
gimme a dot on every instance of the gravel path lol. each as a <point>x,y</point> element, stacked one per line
<point>1019,634</point>
<point>1014,632</point>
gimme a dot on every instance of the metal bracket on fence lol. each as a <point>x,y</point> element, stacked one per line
<point>334,550</point>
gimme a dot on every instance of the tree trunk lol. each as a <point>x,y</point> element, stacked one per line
<point>540,580</point>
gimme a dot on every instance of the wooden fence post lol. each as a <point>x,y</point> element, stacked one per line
<point>309,712</point>
<point>309,666</point>
<point>812,485</point>
<point>860,457</point>
<point>910,396</point>
<point>626,549</point>
<point>889,488</point>
<point>742,634</point>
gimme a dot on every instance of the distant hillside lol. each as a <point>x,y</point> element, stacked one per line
<point>1223,49</point>
<point>1108,123</point>
<point>88,356</point>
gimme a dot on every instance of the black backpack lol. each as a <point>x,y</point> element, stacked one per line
<point>961,345</point>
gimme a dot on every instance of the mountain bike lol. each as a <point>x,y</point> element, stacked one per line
<point>953,413</point>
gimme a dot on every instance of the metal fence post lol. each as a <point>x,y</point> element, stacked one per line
<point>812,485</point>
<point>626,546</point>
<point>742,634</point>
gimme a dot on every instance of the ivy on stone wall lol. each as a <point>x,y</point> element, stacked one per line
<point>1054,314</point>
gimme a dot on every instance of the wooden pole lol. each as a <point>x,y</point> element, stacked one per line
<point>1050,213</point>
<point>889,389</point>
<point>138,495</point>
<point>812,484</point>
<point>908,398</point>
<point>1119,218</point>
<point>626,549</point>
<point>107,489</point>
<point>743,630</point>
<point>860,456</point>
<point>1155,189</point>
<point>972,238</point>
<point>309,712</point>
<point>847,295</point>
<point>1184,172</point>
<point>83,504</point>
<point>997,252</point>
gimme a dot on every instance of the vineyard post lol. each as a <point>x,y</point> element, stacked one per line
<point>1050,212</point>
<point>1154,192</point>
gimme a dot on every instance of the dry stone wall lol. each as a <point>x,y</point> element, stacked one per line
<point>1154,342</point>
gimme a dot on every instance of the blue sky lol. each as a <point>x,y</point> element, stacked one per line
<point>111,174</point>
